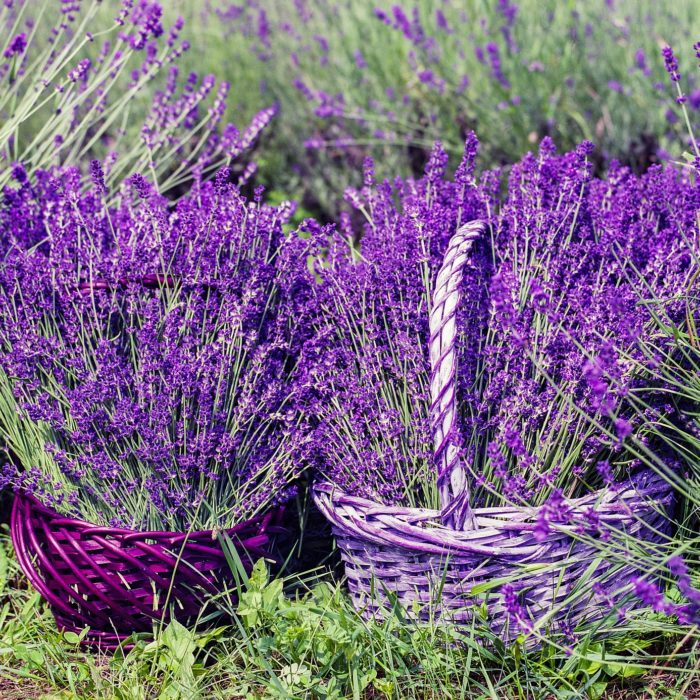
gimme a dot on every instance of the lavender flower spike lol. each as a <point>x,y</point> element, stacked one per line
<point>671,63</point>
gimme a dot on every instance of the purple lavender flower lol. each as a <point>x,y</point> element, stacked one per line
<point>555,510</point>
<point>640,61</point>
<point>441,21</point>
<point>515,610</point>
<point>98,177</point>
<point>671,63</point>
<point>259,123</point>
<point>140,185</point>
<point>382,16</point>
<point>649,593</point>
<point>694,99</point>
<point>426,76</point>
<point>402,22</point>
<point>153,350</point>
<point>509,11</point>
<point>496,65</point>
<point>80,71</point>
<point>605,470</point>
<point>623,429</point>
<point>360,61</point>
<point>19,173</point>
<point>17,46</point>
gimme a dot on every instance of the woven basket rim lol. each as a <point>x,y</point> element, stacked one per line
<point>261,519</point>
<point>422,529</point>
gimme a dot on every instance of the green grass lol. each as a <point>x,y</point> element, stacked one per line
<point>312,644</point>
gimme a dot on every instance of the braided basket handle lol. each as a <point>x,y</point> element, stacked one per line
<point>452,481</point>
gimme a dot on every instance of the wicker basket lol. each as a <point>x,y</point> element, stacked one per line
<point>437,564</point>
<point>118,582</point>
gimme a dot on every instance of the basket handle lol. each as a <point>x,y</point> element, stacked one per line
<point>452,483</point>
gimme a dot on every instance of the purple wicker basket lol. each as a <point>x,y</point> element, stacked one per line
<point>118,582</point>
<point>439,563</point>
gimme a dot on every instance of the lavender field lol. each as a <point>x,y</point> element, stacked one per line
<point>349,349</point>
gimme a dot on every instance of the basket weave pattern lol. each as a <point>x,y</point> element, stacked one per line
<point>430,560</point>
<point>119,581</point>
<point>408,553</point>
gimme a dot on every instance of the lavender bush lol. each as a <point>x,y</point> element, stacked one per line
<point>92,79</point>
<point>147,351</point>
<point>550,329</point>
<point>389,78</point>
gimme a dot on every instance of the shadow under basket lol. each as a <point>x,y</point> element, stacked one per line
<point>119,582</point>
<point>453,564</point>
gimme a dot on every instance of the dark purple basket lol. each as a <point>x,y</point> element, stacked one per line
<point>440,563</point>
<point>118,582</point>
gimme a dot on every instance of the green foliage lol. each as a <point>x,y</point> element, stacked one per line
<point>320,647</point>
<point>314,645</point>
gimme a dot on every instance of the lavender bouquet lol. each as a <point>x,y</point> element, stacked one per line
<point>147,351</point>
<point>550,326</point>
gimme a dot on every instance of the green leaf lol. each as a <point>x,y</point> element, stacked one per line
<point>272,595</point>
<point>259,576</point>
<point>71,637</point>
<point>599,689</point>
<point>181,643</point>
